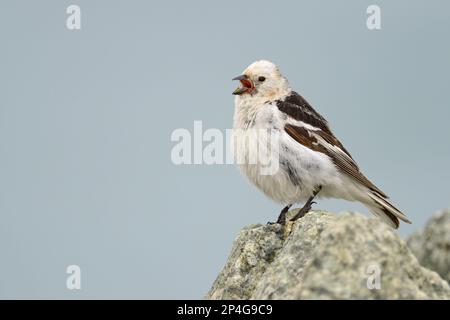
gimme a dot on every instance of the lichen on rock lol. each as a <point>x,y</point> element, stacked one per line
<point>325,256</point>
<point>431,245</point>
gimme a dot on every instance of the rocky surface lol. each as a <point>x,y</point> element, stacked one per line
<point>431,246</point>
<point>325,256</point>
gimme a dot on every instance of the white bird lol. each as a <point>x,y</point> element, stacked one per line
<point>311,161</point>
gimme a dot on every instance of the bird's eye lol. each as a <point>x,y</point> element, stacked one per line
<point>261,79</point>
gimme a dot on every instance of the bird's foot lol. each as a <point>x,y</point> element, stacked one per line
<point>282,217</point>
<point>301,213</point>
<point>308,205</point>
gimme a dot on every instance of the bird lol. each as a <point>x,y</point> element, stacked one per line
<point>311,162</point>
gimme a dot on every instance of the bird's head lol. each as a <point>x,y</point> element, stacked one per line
<point>262,79</point>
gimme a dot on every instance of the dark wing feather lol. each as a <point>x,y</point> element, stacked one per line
<point>321,139</point>
<point>299,109</point>
<point>327,143</point>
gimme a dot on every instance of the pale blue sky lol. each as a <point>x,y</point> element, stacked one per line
<point>86,118</point>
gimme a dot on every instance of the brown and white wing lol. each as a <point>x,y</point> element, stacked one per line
<point>316,135</point>
<point>311,130</point>
<point>329,145</point>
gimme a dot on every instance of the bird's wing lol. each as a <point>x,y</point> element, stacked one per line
<point>296,107</point>
<point>320,138</point>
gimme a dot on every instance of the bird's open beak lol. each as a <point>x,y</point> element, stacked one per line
<point>246,85</point>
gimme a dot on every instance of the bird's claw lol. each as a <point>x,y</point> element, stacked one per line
<point>271,223</point>
<point>301,213</point>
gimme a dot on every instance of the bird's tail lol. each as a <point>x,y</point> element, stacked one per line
<point>381,207</point>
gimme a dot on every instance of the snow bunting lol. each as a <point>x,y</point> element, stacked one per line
<point>312,161</point>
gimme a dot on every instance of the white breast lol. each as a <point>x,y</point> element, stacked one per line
<point>298,169</point>
<point>256,148</point>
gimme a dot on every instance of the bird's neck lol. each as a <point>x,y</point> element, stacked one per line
<point>247,107</point>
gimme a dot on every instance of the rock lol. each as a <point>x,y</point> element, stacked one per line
<point>431,246</point>
<point>325,256</point>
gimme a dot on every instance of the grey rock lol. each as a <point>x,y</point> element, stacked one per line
<point>253,250</point>
<point>431,246</point>
<point>325,256</point>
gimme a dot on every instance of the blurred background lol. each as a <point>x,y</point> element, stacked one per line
<point>86,118</point>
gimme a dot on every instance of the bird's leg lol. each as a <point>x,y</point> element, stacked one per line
<point>307,207</point>
<point>282,217</point>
